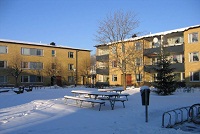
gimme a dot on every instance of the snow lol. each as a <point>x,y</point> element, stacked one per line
<point>45,111</point>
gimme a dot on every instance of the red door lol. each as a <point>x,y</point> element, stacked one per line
<point>58,80</point>
<point>128,80</point>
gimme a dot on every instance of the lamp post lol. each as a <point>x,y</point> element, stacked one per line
<point>75,77</point>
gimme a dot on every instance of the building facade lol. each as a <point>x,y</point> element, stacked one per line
<point>141,56</point>
<point>25,63</point>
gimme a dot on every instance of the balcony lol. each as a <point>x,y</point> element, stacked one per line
<point>178,67</point>
<point>151,52</point>
<point>102,71</point>
<point>174,49</point>
<point>102,57</point>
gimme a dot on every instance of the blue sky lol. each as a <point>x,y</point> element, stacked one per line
<point>74,22</point>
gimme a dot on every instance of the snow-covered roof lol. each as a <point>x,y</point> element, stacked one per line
<point>41,44</point>
<point>157,34</point>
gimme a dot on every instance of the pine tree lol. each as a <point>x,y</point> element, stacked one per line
<point>165,78</point>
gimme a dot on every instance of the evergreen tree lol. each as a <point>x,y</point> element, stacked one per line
<point>165,78</point>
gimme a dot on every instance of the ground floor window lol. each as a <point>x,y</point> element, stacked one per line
<point>194,76</point>
<point>179,76</point>
<point>70,79</point>
<point>138,77</point>
<point>31,78</point>
<point>114,77</point>
<point>3,79</point>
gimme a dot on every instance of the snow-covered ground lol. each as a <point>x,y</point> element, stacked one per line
<point>44,111</point>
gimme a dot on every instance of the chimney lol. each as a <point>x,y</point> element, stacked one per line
<point>52,43</point>
<point>133,36</point>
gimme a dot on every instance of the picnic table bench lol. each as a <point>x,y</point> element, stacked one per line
<point>6,87</point>
<point>81,100</point>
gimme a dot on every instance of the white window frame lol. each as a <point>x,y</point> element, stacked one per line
<point>138,61</point>
<point>191,74</point>
<point>114,63</point>
<point>114,77</point>
<point>28,77</point>
<point>32,51</point>
<point>192,39</point>
<point>114,49</point>
<point>3,49</point>
<point>138,46</point>
<point>53,53</point>
<point>32,65</point>
<point>191,57</point>
<point>70,54</point>
<point>5,64</point>
<point>70,67</point>
<point>139,77</point>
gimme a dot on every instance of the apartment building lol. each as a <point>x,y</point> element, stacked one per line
<point>25,63</point>
<point>181,45</point>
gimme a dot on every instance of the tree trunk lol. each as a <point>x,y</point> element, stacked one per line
<point>124,81</point>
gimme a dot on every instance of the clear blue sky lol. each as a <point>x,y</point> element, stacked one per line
<point>74,22</point>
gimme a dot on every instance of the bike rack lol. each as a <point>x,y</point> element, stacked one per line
<point>180,115</point>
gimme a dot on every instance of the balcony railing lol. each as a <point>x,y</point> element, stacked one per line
<point>102,58</point>
<point>103,71</point>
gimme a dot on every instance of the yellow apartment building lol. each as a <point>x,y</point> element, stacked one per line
<point>25,63</point>
<point>182,47</point>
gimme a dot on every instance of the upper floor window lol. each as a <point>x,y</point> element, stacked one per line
<point>32,65</point>
<point>53,53</point>
<point>123,48</point>
<point>70,66</point>
<point>114,63</point>
<point>138,61</point>
<point>114,49</point>
<point>138,46</point>
<point>3,49</point>
<point>32,51</point>
<point>70,55</point>
<point>53,66</point>
<point>3,64</point>
<point>3,79</point>
<point>194,56</point>
<point>195,76</point>
<point>193,37</point>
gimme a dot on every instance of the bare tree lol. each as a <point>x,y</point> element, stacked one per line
<point>85,69</point>
<point>53,69</point>
<point>15,68</point>
<point>114,30</point>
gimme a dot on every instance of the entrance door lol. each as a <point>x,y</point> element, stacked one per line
<point>128,80</point>
<point>58,80</point>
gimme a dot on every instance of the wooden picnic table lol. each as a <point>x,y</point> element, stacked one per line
<point>111,90</point>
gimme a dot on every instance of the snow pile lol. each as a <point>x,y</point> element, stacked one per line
<point>44,111</point>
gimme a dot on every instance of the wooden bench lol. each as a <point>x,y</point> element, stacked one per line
<point>81,100</point>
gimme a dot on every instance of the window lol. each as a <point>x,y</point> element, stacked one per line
<point>70,66</point>
<point>155,77</point>
<point>114,77</point>
<point>32,65</point>
<point>123,48</point>
<point>32,51</point>
<point>138,61</point>
<point>195,76</point>
<point>138,46</point>
<point>154,61</point>
<point>176,59</point>
<point>53,53</point>
<point>138,77</point>
<point>114,49</point>
<point>193,37</point>
<point>3,64</point>
<point>194,56</point>
<point>70,55</point>
<point>70,79</point>
<point>53,66</point>
<point>114,63</point>
<point>179,76</point>
<point>3,49</point>
<point>24,79</point>
<point>3,79</point>
<point>31,78</point>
